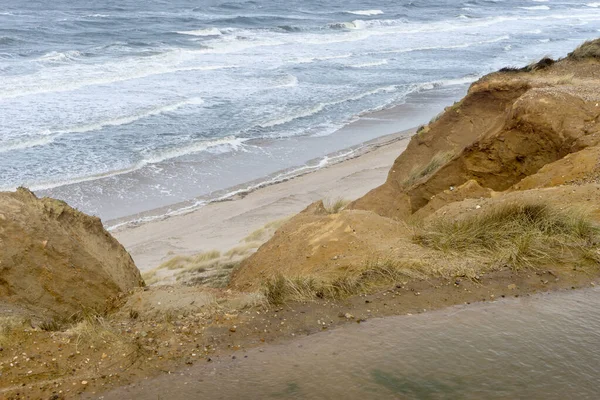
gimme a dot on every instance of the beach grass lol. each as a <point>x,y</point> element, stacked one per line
<point>334,206</point>
<point>518,234</point>
<point>437,161</point>
<point>589,49</point>
<point>266,231</point>
<point>281,289</point>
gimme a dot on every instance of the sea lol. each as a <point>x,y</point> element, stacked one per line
<point>125,107</point>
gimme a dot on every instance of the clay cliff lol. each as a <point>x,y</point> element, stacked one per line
<point>526,138</point>
<point>56,261</point>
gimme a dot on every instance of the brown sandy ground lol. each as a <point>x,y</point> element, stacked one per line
<point>163,329</point>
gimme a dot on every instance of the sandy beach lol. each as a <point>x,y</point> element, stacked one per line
<point>221,225</point>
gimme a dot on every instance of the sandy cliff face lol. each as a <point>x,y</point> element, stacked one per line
<point>57,261</point>
<point>518,135</point>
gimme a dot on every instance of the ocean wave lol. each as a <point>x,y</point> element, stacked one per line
<point>48,136</point>
<point>447,47</point>
<point>370,64</point>
<point>231,142</point>
<point>55,56</point>
<point>24,143</point>
<point>228,143</point>
<point>7,40</point>
<point>535,8</point>
<point>120,75</point>
<point>288,81</point>
<point>129,119</point>
<point>366,12</point>
<point>268,181</point>
<point>307,60</point>
<point>202,32</point>
<point>444,83</point>
<point>357,24</point>
<point>308,112</point>
<point>593,5</point>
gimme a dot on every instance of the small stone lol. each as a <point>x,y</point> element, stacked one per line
<point>349,316</point>
<point>233,329</point>
<point>512,286</point>
<point>84,382</point>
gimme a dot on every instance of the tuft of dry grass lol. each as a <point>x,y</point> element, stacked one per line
<point>181,262</point>
<point>264,233</point>
<point>95,331</point>
<point>518,235</point>
<point>437,161</point>
<point>588,49</point>
<point>281,289</point>
<point>544,63</point>
<point>334,206</point>
<point>242,250</point>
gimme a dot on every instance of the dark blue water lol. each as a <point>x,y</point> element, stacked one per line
<point>122,106</point>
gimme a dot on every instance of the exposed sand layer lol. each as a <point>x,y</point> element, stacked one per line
<point>56,261</point>
<point>521,146</point>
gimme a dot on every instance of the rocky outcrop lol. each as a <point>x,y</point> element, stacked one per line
<point>57,261</point>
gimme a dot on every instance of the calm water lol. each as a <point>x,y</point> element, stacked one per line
<point>540,347</point>
<point>122,106</point>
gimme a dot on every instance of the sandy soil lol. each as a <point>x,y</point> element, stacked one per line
<point>222,225</point>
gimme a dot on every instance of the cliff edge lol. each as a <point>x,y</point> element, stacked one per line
<point>56,261</point>
<point>475,191</point>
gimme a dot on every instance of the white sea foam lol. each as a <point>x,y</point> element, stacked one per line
<point>48,136</point>
<point>278,178</point>
<point>366,12</point>
<point>444,82</point>
<point>454,46</point>
<point>55,56</point>
<point>307,60</point>
<point>231,142</point>
<point>593,5</point>
<point>356,24</point>
<point>288,82</point>
<point>535,8</point>
<point>202,32</point>
<point>119,74</point>
<point>370,64</point>
<point>24,143</point>
<point>307,112</point>
<point>129,119</point>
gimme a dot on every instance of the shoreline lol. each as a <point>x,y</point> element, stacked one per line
<point>237,192</point>
<point>222,223</point>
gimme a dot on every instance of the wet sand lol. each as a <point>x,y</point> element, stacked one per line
<point>221,225</point>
